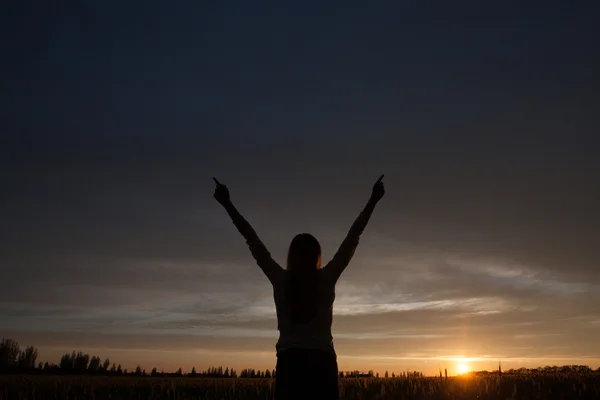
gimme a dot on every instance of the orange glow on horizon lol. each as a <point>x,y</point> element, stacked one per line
<point>463,368</point>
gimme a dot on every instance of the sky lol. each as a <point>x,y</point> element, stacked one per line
<point>484,119</point>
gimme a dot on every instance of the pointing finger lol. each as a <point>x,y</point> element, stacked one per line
<point>216,181</point>
<point>380,178</point>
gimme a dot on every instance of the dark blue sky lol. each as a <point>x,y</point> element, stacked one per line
<point>484,118</point>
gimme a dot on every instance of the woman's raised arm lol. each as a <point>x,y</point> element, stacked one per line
<point>257,248</point>
<point>342,258</point>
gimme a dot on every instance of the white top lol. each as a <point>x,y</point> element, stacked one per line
<point>315,334</point>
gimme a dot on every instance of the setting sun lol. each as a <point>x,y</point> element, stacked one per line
<point>463,368</point>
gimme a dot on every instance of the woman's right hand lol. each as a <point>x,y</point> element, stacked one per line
<point>378,190</point>
<point>221,192</point>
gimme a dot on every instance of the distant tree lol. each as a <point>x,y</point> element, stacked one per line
<point>95,364</point>
<point>193,373</point>
<point>377,375</point>
<point>138,371</point>
<point>226,373</point>
<point>67,362</point>
<point>113,369</point>
<point>119,370</point>
<point>386,375</point>
<point>393,375</point>
<point>9,353</point>
<point>81,361</point>
<point>179,372</point>
<point>40,365</point>
<point>153,373</point>
<point>106,364</point>
<point>585,369</point>
<point>267,374</point>
<point>28,357</point>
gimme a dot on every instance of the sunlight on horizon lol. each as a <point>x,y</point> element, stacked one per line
<point>463,368</point>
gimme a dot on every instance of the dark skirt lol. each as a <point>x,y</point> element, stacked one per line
<point>306,374</point>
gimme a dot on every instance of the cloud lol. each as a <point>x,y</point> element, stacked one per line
<point>179,294</point>
<point>139,252</point>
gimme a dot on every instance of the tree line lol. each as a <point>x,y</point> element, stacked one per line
<point>13,359</point>
<point>371,374</point>
<point>547,370</point>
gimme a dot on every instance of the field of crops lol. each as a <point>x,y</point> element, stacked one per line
<point>98,387</point>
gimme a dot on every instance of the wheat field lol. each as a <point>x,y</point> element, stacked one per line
<point>481,388</point>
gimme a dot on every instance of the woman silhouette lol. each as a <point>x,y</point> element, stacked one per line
<point>304,294</point>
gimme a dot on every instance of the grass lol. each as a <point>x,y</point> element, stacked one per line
<point>481,388</point>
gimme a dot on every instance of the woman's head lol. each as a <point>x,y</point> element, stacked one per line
<point>304,253</point>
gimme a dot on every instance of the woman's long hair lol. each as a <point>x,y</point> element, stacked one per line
<point>304,259</point>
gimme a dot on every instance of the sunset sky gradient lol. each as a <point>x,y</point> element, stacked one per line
<point>483,117</point>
